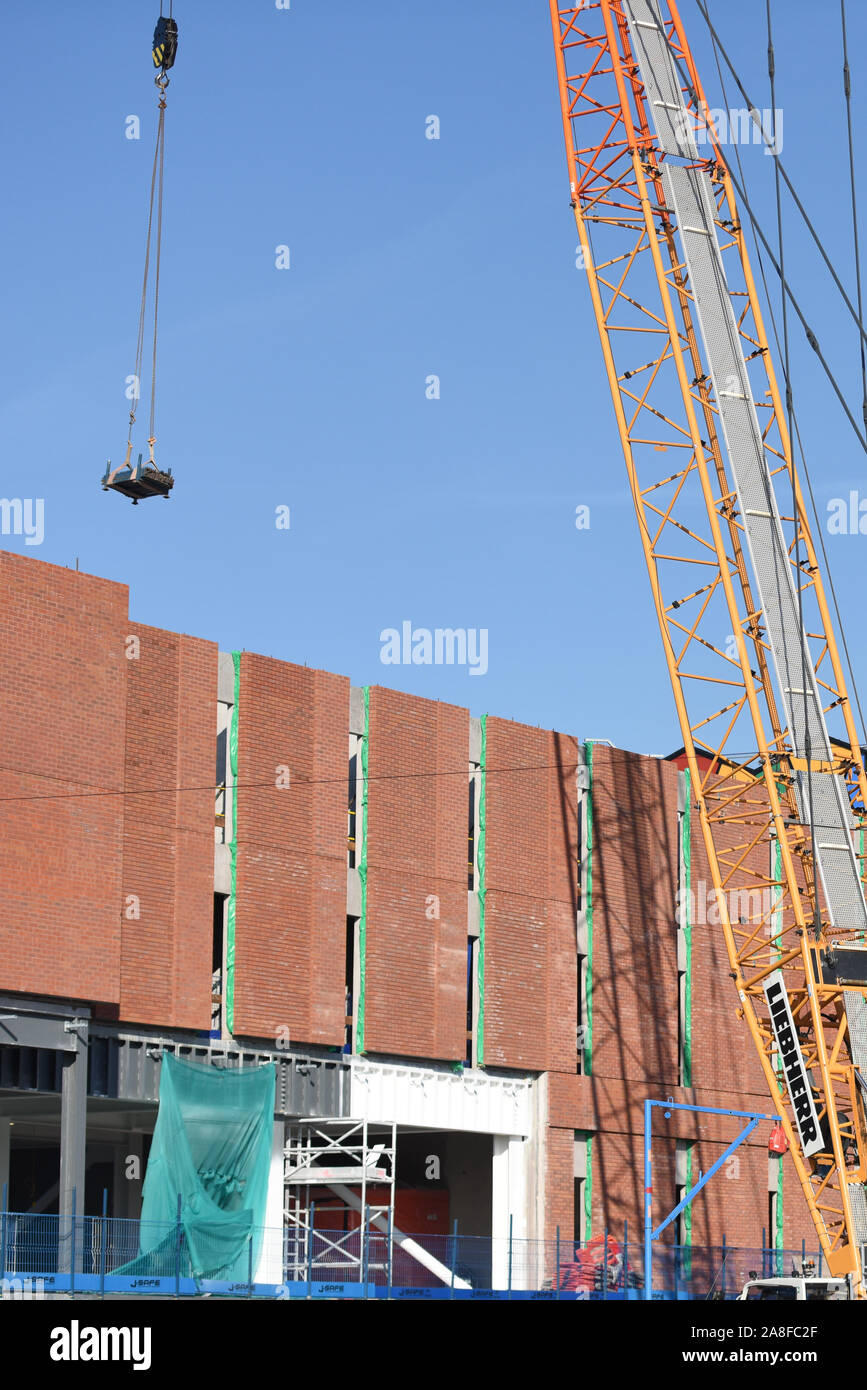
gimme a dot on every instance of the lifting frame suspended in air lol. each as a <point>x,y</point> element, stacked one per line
<point>691,376</point>
<point>144,479</point>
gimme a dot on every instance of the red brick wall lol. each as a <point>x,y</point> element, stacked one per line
<point>62,702</point>
<point>168,856</point>
<point>724,1055</point>
<point>634,889</point>
<point>530,906</point>
<point>736,1198</point>
<point>635,1023</point>
<point>734,1202</point>
<point>78,717</point>
<point>797,1223</point>
<point>417,828</point>
<point>290,936</point>
<point>559,1186</point>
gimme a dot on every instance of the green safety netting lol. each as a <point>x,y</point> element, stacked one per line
<point>212,1147</point>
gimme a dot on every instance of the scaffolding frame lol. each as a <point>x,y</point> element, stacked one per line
<point>340,1154</point>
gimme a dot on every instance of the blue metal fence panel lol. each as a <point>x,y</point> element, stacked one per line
<point>36,1251</point>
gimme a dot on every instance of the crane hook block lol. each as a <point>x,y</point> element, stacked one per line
<point>165,43</point>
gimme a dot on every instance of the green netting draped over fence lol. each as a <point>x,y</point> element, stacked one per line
<point>211,1146</point>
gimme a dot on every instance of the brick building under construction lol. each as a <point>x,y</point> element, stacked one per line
<point>487,943</point>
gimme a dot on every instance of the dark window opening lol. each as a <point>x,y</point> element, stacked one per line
<point>681,1028</point>
<point>221,778</point>
<point>217,948</point>
<point>349,984</point>
<point>353,793</point>
<point>220,900</point>
<point>222,756</point>
<point>579,866</point>
<point>680,1220</point>
<point>772,1218</point>
<point>471,836</point>
<point>581,1013</point>
<point>471,958</point>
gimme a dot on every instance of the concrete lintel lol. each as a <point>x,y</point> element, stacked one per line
<point>353,893</point>
<point>226,678</point>
<point>222,870</point>
<point>475,740</point>
<point>474,914</point>
<point>356,709</point>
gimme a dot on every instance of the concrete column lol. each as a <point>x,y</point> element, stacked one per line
<point>119,1194</point>
<point>5,1141</point>
<point>128,1175</point>
<point>135,1187</point>
<point>269,1270</point>
<point>73,1137</point>
<point>509,1200</point>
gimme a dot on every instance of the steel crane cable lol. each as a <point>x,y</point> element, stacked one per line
<point>741,191</point>
<point>787,370</point>
<point>156,197</point>
<point>856,241</point>
<point>805,471</point>
<point>785,177</point>
<point>162,82</point>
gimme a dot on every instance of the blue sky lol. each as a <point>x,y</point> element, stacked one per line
<point>306,387</point>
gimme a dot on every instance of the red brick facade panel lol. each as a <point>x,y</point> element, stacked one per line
<point>106,888</point>
<point>735,1201</point>
<point>559,1150</point>
<point>290,933</point>
<point>531,865</point>
<point>634,901</point>
<point>797,1222</point>
<point>724,1055</point>
<point>62,703</point>
<point>610,1102</point>
<point>417,837</point>
<point>617,1181</point>
<point>168,860</point>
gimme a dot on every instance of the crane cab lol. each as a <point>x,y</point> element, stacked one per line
<point>138,481</point>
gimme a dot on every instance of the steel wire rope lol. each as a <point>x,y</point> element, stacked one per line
<point>805,470</point>
<point>787,374</point>
<point>856,240</point>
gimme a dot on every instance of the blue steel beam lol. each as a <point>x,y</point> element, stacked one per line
<point>650,1235</point>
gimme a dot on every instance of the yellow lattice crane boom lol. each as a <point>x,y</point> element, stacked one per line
<point>766,718</point>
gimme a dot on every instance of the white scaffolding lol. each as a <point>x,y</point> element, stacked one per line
<point>339,1154</point>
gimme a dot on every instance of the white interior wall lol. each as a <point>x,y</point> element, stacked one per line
<point>269,1270</point>
<point>510,1206</point>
